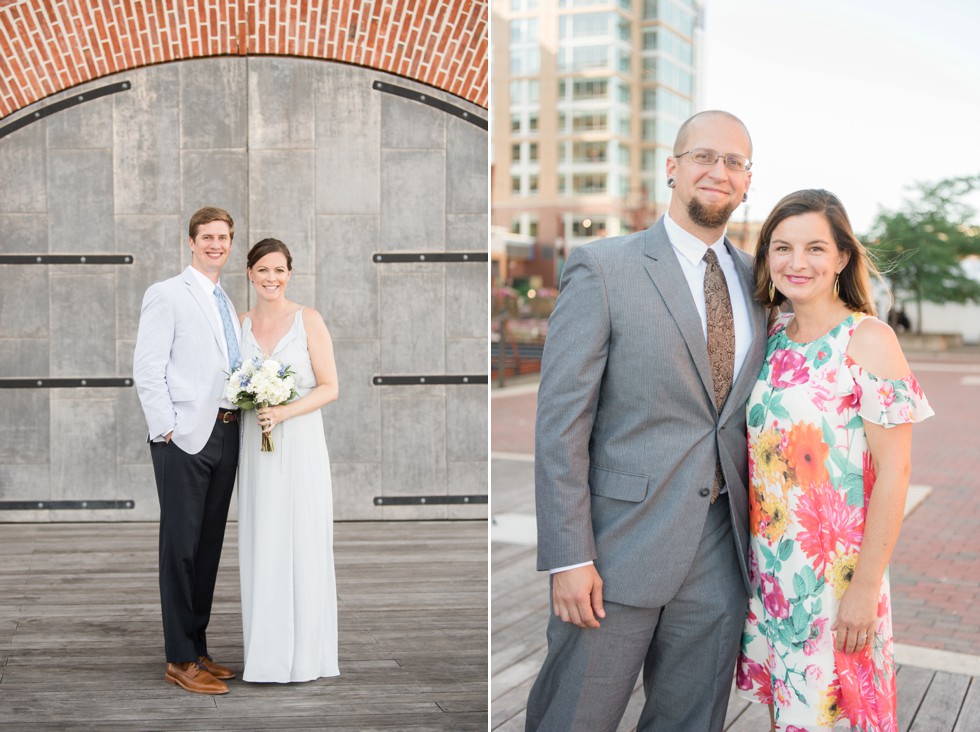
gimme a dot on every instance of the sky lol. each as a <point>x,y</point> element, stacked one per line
<point>861,97</point>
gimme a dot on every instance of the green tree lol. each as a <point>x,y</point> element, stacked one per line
<point>920,246</point>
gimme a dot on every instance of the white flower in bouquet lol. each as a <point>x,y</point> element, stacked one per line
<point>261,383</point>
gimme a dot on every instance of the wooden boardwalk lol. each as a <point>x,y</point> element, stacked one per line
<point>81,643</point>
<point>928,700</point>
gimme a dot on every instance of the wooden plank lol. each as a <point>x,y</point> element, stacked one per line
<point>634,708</point>
<point>913,683</point>
<point>750,718</point>
<point>82,645</point>
<point>736,706</point>
<point>508,709</point>
<point>942,702</point>
<point>969,716</point>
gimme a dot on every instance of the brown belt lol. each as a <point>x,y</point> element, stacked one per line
<point>227,415</point>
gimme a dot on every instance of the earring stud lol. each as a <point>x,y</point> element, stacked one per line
<point>772,291</point>
<point>670,182</point>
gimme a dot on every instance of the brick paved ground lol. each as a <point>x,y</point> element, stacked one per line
<point>935,570</point>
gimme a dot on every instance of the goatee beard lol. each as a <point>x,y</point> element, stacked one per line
<point>709,218</point>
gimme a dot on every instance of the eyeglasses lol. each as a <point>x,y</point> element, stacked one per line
<point>706,156</point>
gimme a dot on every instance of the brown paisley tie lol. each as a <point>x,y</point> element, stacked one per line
<point>721,339</point>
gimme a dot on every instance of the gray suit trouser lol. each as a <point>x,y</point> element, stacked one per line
<point>686,649</point>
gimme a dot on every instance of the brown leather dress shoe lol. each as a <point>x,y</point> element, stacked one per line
<point>216,669</point>
<point>193,677</point>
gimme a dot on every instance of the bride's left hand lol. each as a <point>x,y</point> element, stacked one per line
<point>269,417</point>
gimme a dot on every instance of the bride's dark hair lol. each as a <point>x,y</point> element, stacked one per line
<point>268,246</point>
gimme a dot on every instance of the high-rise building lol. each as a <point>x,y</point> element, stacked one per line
<point>587,97</point>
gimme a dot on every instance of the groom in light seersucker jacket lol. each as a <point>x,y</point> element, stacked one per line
<point>647,570</point>
<point>188,341</point>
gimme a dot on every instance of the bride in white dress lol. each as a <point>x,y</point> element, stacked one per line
<point>285,510</point>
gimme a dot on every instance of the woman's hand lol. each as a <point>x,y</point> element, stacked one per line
<point>857,618</point>
<point>269,417</point>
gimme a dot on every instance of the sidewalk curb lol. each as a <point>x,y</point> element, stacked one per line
<point>937,660</point>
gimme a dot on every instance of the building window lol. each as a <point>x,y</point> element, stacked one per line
<point>666,72</point>
<point>584,25</point>
<point>525,53</point>
<point>661,131</point>
<point>589,121</point>
<point>669,44</point>
<point>676,13</point>
<point>625,61</point>
<point>588,88</point>
<point>587,226</point>
<point>515,152</point>
<point>532,152</point>
<point>578,58</point>
<point>515,184</point>
<point>515,123</point>
<point>664,101</point>
<point>589,183</point>
<point>589,152</point>
<point>532,122</point>
<point>532,184</point>
<point>523,31</point>
<point>532,227</point>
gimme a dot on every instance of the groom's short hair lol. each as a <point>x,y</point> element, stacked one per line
<point>205,216</point>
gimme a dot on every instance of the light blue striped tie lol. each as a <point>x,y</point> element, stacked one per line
<point>231,338</point>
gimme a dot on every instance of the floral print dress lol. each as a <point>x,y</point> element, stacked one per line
<point>811,476</point>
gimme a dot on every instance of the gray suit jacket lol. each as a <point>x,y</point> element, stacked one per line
<point>179,368</point>
<point>627,431</point>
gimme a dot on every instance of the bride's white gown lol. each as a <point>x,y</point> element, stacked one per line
<point>285,535</point>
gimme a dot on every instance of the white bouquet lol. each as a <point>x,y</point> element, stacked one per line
<point>259,383</point>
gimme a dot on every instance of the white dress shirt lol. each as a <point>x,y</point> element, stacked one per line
<point>690,255</point>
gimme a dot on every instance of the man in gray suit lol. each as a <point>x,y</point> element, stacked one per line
<point>641,459</point>
<point>188,340</point>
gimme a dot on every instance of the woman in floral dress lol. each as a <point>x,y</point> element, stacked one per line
<point>830,429</point>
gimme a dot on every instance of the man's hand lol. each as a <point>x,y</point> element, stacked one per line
<point>166,437</point>
<point>577,596</point>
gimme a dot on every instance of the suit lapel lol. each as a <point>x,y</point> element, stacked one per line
<point>195,290</point>
<point>748,373</point>
<point>665,271</point>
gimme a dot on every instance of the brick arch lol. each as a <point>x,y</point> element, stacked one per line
<point>48,46</point>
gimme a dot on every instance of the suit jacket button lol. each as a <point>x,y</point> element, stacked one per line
<point>705,491</point>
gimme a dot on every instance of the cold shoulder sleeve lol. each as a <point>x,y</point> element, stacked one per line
<point>888,402</point>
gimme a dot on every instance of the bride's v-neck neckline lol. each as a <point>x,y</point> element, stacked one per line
<point>270,354</point>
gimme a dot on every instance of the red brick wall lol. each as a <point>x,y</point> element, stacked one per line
<point>50,45</point>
